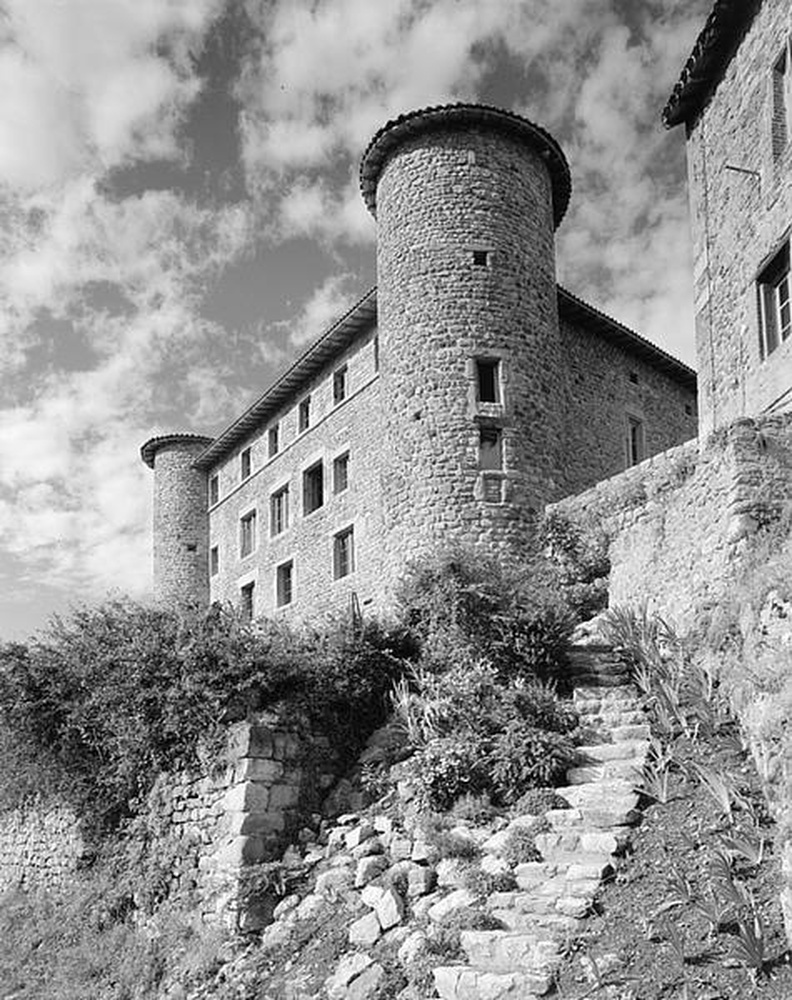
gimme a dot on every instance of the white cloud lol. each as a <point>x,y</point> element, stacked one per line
<point>327,303</point>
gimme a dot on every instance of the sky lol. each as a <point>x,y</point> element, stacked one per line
<point>180,217</point>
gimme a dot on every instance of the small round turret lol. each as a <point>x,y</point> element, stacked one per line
<point>467,199</point>
<point>181,522</point>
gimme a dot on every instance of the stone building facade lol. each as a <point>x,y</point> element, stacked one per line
<point>735,100</point>
<point>454,402</point>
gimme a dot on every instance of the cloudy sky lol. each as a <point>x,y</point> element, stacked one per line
<point>180,216</point>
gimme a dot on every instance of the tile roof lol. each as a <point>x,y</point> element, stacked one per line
<point>725,27</point>
<point>150,448</point>
<point>430,119</point>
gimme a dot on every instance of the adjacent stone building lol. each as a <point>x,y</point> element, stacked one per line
<point>735,100</point>
<point>454,402</point>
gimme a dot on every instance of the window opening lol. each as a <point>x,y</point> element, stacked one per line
<point>634,378</point>
<point>341,473</point>
<point>635,441</point>
<point>247,601</point>
<point>273,444</point>
<point>343,553</point>
<point>313,488</point>
<point>782,103</point>
<point>283,584</point>
<point>376,354</point>
<point>214,560</point>
<point>304,415</point>
<point>247,534</point>
<point>245,464</point>
<point>775,311</point>
<point>488,380</point>
<point>490,449</point>
<point>279,511</point>
<point>214,490</point>
<point>339,384</point>
<point>481,258</point>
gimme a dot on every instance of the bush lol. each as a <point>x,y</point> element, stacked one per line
<point>448,768</point>
<point>116,694</point>
<point>520,845</point>
<point>525,754</point>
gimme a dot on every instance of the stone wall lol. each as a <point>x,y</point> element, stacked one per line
<point>205,827</point>
<point>40,846</point>
<point>677,524</point>
<point>741,202</point>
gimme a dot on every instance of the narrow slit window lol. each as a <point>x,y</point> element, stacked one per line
<point>247,534</point>
<point>376,354</point>
<point>341,473</point>
<point>245,464</point>
<point>481,258</point>
<point>488,380</point>
<point>214,560</point>
<point>273,443</point>
<point>304,414</point>
<point>214,490</point>
<point>313,488</point>
<point>635,441</point>
<point>339,385</point>
<point>343,553</point>
<point>279,511</point>
<point>781,103</point>
<point>284,579</point>
<point>248,601</point>
<point>490,449</point>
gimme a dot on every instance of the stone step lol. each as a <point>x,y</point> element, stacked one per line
<point>507,951</point>
<point>625,750</point>
<point>629,770</point>
<point>631,732</point>
<point>459,982</point>
<point>553,925</point>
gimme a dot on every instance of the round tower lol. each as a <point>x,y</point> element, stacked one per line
<point>467,199</point>
<point>181,521</point>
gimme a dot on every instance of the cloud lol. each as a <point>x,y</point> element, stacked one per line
<point>328,302</point>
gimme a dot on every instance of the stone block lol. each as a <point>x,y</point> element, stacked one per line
<point>365,931</point>
<point>332,883</point>
<point>247,797</point>
<point>357,834</point>
<point>348,969</point>
<point>453,901</point>
<point>248,740</point>
<point>369,868</point>
<point>389,909</point>
<point>257,769</point>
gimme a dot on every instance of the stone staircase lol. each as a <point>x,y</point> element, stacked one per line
<point>542,915</point>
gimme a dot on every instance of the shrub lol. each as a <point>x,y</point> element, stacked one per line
<point>538,801</point>
<point>520,844</point>
<point>525,754</point>
<point>474,809</point>
<point>446,769</point>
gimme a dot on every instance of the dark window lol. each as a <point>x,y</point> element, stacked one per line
<point>481,258</point>
<point>247,534</point>
<point>244,463</point>
<point>313,488</point>
<point>279,511</point>
<point>214,490</point>
<point>781,104</point>
<point>490,448</point>
<point>635,441</point>
<point>488,380</point>
<point>247,602</point>
<point>272,441</point>
<point>343,553</point>
<point>376,354</point>
<point>341,473</point>
<point>304,415</point>
<point>775,315</point>
<point>283,584</point>
<point>688,409</point>
<point>339,384</point>
<point>214,560</point>
<point>634,378</point>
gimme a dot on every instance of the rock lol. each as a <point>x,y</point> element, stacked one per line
<point>421,851</point>
<point>493,865</point>
<point>366,931</point>
<point>331,883</point>
<point>286,905</point>
<point>371,895</point>
<point>366,985</point>
<point>351,966</point>
<point>451,872</point>
<point>413,948</point>
<point>348,819</point>
<point>383,825</point>
<point>369,868</point>
<point>594,968</point>
<point>401,848</point>
<point>309,907</point>
<point>373,845</point>
<point>358,834</point>
<point>420,881</point>
<point>496,843</point>
<point>453,901</point>
<point>389,909</point>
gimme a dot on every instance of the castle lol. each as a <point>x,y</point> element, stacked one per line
<point>469,390</point>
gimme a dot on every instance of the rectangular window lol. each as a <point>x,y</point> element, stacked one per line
<point>247,534</point>
<point>279,511</point>
<point>782,103</point>
<point>214,560</point>
<point>339,384</point>
<point>244,463</point>
<point>304,415</point>
<point>313,488</point>
<point>775,317</point>
<point>214,490</point>
<point>283,584</point>
<point>480,258</point>
<point>247,601</point>
<point>376,354</point>
<point>273,444</point>
<point>341,473</point>
<point>343,553</point>
<point>490,449</point>
<point>635,441</point>
<point>488,381</point>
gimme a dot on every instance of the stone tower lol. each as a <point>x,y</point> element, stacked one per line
<point>467,199</point>
<point>181,522</point>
